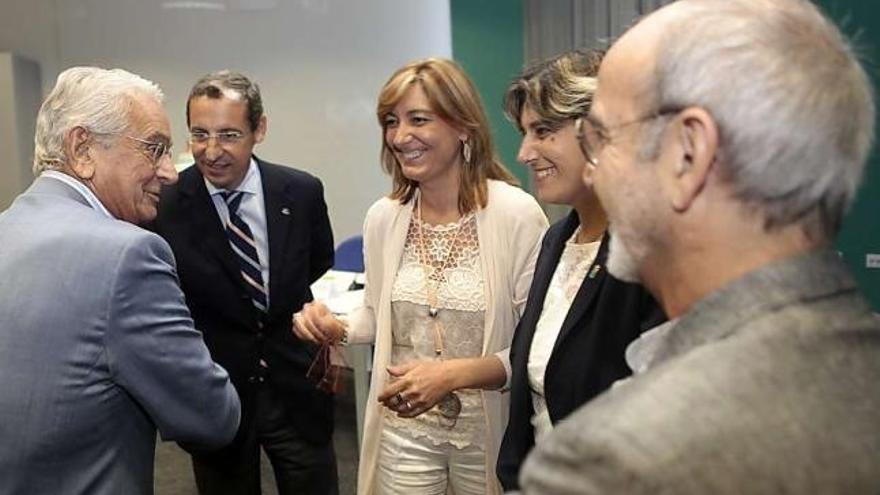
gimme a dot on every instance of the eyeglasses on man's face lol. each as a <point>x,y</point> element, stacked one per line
<point>201,138</point>
<point>155,150</point>
<point>593,137</point>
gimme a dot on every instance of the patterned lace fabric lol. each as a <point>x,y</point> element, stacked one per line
<point>460,284</point>
<point>462,305</point>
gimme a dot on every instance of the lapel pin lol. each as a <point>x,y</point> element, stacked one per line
<point>285,211</point>
<point>595,271</point>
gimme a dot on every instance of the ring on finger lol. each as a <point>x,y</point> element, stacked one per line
<point>408,405</point>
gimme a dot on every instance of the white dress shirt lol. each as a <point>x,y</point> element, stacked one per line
<point>81,188</point>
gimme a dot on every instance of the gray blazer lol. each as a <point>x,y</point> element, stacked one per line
<point>770,385</point>
<point>97,351</point>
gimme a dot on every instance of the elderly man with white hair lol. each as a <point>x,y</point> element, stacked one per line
<point>97,348</point>
<point>726,141</point>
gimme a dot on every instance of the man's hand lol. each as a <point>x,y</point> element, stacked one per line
<point>315,323</point>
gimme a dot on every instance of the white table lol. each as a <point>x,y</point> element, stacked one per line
<point>332,289</point>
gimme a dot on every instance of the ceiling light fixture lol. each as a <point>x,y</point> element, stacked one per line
<point>194,5</point>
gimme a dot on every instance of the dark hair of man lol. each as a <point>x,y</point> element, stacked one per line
<point>213,86</point>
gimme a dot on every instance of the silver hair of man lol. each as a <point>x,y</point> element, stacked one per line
<point>794,106</point>
<point>98,100</point>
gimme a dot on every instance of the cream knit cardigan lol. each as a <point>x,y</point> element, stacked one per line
<point>509,231</point>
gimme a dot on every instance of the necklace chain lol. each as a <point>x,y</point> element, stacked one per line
<point>432,288</point>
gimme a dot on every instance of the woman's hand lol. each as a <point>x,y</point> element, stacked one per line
<point>316,324</point>
<point>416,386</point>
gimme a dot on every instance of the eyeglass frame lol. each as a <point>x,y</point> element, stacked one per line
<point>223,138</point>
<point>161,151</point>
<point>591,156</point>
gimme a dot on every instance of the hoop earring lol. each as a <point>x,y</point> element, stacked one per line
<point>466,152</point>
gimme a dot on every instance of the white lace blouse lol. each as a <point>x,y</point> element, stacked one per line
<point>567,279</point>
<point>454,272</point>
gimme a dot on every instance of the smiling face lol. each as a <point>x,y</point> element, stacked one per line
<point>426,147</point>
<point>223,164</point>
<point>125,178</point>
<point>555,158</point>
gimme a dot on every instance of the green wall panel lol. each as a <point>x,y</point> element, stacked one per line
<point>860,236</point>
<point>487,40</point>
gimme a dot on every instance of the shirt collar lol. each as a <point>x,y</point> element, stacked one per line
<point>808,276</point>
<point>640,352</point>
<point>81,188</point>
<point>250,184</point>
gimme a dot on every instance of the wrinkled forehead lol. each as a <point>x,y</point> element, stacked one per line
<point>627,75</point>
<point>148,116</point>
<point>625,86</point>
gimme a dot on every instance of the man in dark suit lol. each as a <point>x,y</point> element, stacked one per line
<point>726,140</point>
<point>249,238</point>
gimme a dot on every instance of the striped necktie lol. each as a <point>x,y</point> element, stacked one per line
<point>245,248</point>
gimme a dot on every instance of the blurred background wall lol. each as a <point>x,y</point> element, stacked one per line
<point>320,64</point>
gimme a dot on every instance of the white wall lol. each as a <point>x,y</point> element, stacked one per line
<point>319,63</point>
<point>19,101</point>
<point>28,29</point>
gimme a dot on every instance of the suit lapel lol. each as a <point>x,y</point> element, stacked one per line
<point>586,294</point>
<point>208,233</point>
<point>540,283</point>
<point>280,209</point>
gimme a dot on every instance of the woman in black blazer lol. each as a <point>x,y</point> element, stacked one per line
<point>569,345</point>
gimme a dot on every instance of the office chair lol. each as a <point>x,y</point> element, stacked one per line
<point>349,256</point>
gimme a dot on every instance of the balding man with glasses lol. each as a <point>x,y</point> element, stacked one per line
<point>726,140</point>
<point>250,237</point>
<point>97,347</point>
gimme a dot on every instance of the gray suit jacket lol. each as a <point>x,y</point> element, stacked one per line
<point>770,385</point>
<point>97,350</point>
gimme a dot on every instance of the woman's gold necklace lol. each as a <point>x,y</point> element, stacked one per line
<point>450,405</point>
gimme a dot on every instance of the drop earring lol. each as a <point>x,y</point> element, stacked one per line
<point>466,152</point>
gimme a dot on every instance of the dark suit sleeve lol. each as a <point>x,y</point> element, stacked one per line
<point>519,435</point>
<point>322,236</point>
<point>158,357</point>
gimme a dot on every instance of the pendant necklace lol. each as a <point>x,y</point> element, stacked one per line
<point>450,405</point>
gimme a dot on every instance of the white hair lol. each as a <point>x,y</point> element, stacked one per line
<point>98,100</point>
<point>794,107</point>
